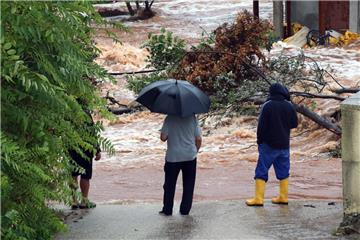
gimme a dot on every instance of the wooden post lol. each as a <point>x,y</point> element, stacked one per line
<point>288,19</point>
<point>278,18</point>
<point>322,16</point>
<point>256,8</point>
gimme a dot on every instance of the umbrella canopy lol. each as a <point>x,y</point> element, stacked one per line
<point>174,97</point>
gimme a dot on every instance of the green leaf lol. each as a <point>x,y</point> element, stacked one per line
<point>42,77</point>
<point>14,57</point>
<point>7,46</point>
<point>11,52</point>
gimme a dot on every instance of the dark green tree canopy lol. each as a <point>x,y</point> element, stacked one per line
<point>46,67</point>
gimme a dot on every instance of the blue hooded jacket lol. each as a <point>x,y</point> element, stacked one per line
<point>277,118</point>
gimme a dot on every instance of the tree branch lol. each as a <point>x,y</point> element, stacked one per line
<point>313,95</point>
<point>135,72</point>
<point>346,90</point>
<point>299,108</point>
<point>317,118</point>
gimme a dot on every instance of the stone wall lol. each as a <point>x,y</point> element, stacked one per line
<point>350,110</point>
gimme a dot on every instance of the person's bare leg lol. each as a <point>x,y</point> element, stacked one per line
<point>74,187</point>
<point>85,186</point>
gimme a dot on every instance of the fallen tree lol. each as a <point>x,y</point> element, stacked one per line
<point>229,65</point>
<point>141,11</point>
<point>116,107</point>
<point>317,118</point>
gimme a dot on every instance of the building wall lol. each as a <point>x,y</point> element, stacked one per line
<point>354,19</point>
<point>305,13</point>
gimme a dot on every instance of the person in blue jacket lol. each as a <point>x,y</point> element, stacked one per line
<point>277,118</point>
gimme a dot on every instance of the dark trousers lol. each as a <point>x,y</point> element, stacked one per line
<point>172,170</point>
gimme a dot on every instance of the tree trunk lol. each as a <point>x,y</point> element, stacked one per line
<point>147,8</point>
<point>307,113</point>
<point>145,13</point>
<point>318,119</point>
<point>131,10</point>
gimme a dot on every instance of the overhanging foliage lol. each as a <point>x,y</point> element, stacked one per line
<point>46,66</point>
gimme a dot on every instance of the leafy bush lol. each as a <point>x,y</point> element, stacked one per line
<point>138,82</point>
<point>165,52</point>
<point>165,49</point>
<point>236,49</point>
<point>206,40</point>
<point>46,66</point>
<point>220,64</point>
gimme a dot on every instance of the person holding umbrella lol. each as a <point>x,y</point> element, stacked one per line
<point>183,136</point>
<point>180,100</point>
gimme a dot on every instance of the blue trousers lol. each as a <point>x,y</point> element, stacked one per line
<point>268,156</point>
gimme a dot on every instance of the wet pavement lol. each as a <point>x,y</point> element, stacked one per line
<point>208,220</point>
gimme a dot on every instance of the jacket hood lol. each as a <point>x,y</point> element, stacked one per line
<point>276,89</point>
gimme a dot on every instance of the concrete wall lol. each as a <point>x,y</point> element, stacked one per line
<point>354,18</point>
<point>305,13</point>
<point>350,110</point>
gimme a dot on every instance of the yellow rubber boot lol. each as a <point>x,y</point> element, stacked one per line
<point>283,196</point>
<point>259,194</point>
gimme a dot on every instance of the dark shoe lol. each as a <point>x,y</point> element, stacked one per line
<point>87,205</point>
<point>74,206</point>
<point>184,214</point>
<point>164,213</point>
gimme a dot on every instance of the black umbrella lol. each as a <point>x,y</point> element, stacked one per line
<point>174,97</point>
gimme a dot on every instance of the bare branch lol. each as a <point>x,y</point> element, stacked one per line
<point>113,100</point>
<point>135,72</point>
<point>346,90</point>
<point>313,95</point>
<point>337,82</point>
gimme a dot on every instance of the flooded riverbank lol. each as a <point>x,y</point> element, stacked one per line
<point>227,160</point>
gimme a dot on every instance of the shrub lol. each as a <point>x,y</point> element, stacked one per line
<point>46,65</point>
<point>221,64</point>
<point>165,49</point>
<point>236,49</point>
<point>138,82</point>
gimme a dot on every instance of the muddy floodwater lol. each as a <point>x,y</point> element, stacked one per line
<point>228,157</point>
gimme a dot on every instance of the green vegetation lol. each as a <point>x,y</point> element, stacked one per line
<point>46,69</point>
<point>221,64</point>
<point>136,82</point>
<point>165,53</point>
<point>165,50</point>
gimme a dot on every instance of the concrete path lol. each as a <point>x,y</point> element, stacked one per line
<point>208,220</point>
